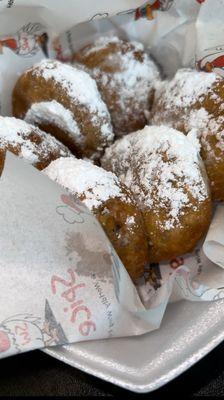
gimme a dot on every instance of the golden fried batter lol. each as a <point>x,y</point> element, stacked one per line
<point>194,102</point>
<point>112,204</point>
<point>28,142</point>
<point>65,102</point>
<point>125,75</point>
<point>169,183</point>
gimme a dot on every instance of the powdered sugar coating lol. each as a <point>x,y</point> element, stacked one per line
<point>125,73</point>
<point>178,103</point>
<point>54,113</point>
<point>185,88</point>
<point>82,91</point>
<point>205,124</point>
<point>163,169</point>
<point>76,82</point>
<point>100,44</point>
<point>92,184</point>
<point>19,134</point>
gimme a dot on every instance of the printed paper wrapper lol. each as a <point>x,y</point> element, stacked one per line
<point>61,280</point>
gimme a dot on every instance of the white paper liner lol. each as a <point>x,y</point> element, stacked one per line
<point>56,275</point>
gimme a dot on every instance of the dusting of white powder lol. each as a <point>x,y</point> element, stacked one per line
<point>135,78</point>
<point>55,113</point>
<point>77,83</point>
<point>193,137</point>
<point>101,43</point>
<point>187,88</point>
<point>205,124</point>
<point>82,178</point>
<point>81,88</point>
<point>132,82</point>
<point>130,220</point>
<point>16,132</point>
<point>163,181</point>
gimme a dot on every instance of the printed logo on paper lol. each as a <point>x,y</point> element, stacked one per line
<point>72,210</point>
<point>176,262</point>
<point>58,48</point>
<point>147,10</point>
<point>22,332</point>
<point>71,292</point>
<point>213,60</point>
<point>99,15</point>
<point>27,41</point>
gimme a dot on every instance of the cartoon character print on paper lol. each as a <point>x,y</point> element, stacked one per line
<point>176,262</point>
<point>20,333</point>
<point>219,294</point>
<point>185,275</point>
<point>59,55</point>
<point>190,288</point>
<point>27,41</point>
<point>195,290</point>
<point>72,211</point>
<point>213,61</point>
<point>187,269</point>
<point>99,16</point>
<point>209,294</point>
<point>147,10</point>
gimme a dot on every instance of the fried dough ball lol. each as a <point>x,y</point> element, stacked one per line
<point>65,102</point>
<point>125,76</point>
<point>168,179</point>
<point>112,204</point>
<point>28,142</point>
<point>194,101</point>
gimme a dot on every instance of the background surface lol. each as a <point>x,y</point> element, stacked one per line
<point>36,373</point>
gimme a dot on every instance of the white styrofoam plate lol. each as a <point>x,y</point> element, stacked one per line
<point>144,363</point>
